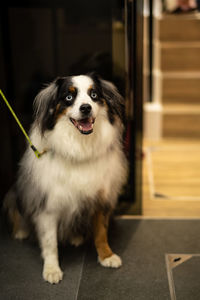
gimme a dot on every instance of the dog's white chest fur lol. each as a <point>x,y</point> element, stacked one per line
<point>67,183</point>
<point>93,164</point>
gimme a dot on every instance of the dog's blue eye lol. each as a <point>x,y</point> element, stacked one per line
<point>93,95</point>
<point>69,97</point>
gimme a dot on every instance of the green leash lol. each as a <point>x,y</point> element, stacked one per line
<point>37,153</point>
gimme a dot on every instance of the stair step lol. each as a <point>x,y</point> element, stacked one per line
<point>183,27</point>
<point>181,121</point>
<point>179,109</point>
<point>181,87</point>
<point>177,56</point>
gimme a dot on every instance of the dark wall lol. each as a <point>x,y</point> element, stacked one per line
<point>40,40</point>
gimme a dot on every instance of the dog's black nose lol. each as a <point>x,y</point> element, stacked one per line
<point>85,109</point>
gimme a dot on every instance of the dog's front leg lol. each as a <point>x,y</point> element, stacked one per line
<point>100,229</point>
<point>46,225</point>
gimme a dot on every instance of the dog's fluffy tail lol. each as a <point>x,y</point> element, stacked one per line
<point>17,224</point>
<point>10,203</point>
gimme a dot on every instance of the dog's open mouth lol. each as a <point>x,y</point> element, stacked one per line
<point>85,126</point>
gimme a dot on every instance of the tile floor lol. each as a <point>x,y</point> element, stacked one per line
<point>146,247</point>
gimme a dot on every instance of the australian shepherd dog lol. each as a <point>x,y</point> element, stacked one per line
<point>70,192</point>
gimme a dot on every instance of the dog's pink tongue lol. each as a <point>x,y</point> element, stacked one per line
<point>85,124</point>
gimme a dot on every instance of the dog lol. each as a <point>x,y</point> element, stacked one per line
<point>69,193</point>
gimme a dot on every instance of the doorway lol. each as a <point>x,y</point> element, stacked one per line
<point>40,41</point>
<point>171,176</point>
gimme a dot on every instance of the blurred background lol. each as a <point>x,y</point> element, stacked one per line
<point>171,173</point>
<point>40,40</point>
<point>150,49</point>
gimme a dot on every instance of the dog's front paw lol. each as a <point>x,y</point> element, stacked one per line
<point>52,273</point>
<point>114,261</point>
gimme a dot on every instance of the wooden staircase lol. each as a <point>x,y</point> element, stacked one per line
<point>177,73</point>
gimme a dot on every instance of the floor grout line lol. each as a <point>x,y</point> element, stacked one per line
<point>80,274</point>
<point>180,198</point>
<point>170,278</point>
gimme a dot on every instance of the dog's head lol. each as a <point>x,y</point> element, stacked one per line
<point>80,100</point>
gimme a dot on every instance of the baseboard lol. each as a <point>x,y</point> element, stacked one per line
<point>152,121</point>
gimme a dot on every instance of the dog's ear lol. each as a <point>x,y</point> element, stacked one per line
<point>59,81</point>
<point>114,100</point>
<point>44,104</point>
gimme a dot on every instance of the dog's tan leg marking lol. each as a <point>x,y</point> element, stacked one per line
<point>100,229</point>
<point>20,229</point>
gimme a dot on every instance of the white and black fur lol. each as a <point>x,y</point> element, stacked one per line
<point>79,126</point>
